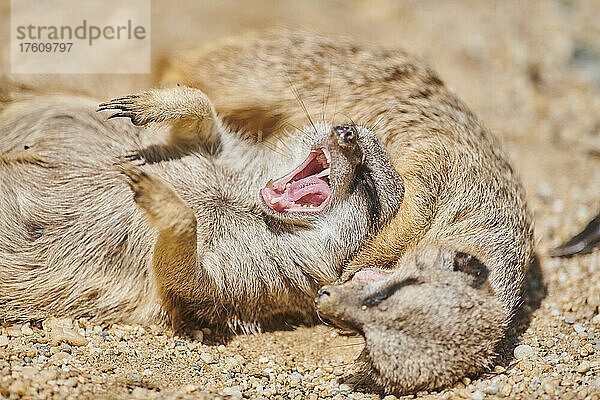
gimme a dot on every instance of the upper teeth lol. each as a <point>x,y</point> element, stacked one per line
<point>323,173</point>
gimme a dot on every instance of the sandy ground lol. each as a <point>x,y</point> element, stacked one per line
<point>530,70</point>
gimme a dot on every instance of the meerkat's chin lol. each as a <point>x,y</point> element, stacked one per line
<point>304,190</point>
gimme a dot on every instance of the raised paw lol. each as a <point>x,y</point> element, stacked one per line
<point>137,107</point>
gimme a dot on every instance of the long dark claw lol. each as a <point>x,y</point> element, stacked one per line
<point>582,243</point>
<point>120,114</point>
<point>119,103</point>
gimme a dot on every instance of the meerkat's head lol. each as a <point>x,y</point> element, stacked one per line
<point>427,324</point>
<point>344,161</point>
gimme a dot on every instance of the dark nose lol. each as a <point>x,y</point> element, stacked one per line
<point>323,292</point>
<point>346,134</point>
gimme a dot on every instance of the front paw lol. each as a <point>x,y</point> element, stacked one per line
<point>136,107</point>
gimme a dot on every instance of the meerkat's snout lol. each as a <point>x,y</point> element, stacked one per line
<point>308,188</point>
<point>346,135</point>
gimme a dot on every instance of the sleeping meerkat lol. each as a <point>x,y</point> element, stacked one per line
<point>429,321</point>
<point>460,192</point>
<point>228,245</point>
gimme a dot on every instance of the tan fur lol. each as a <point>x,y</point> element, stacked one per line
<point>425,326</point>
<point>73,240</point>
<point>460,192</point>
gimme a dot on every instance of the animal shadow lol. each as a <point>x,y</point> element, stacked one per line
<point>532,294</point>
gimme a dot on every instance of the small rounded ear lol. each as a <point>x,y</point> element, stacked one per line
<point>436,257</point>
<point>471,266</point>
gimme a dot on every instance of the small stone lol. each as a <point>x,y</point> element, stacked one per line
<point>499,369</point>
<point>191,388</point>
<point>26,330</point>
<point>221,348</point>
<point>506,389</point>
<point>390,397</point>
<point>492,389</point>
<point>18,388</point>
<point>3,341</point>
<point>596,319</point>
<point>263,360</point>
<point>232,392</point>
<point>71,336</point>
<point>44,351</point>
<point>584,367</point>
<point>71,382</point>
<point>134,378</point>
<point>50,323</point>
<point>140,393</point>
<point>14,331</point>
<point>548,386</point>
<point>523,351</point>
<point>147,372</point>
<point>206,357</point>
<point>29,372</point>
<point>579,328</point>
<point>198,335</point>
<point>179,343</point>
<point>47,375</point>
<point>295,379</point>
<point>66,348</point>
<point>60,358</point>
<point>345,388</point>
<point>28,360</point>
<point>196,367</point>
<point>477,395</point>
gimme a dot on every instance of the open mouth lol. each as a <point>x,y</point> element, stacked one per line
<point>306,189</point>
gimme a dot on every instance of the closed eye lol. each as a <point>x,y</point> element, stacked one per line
<point>387,291</point>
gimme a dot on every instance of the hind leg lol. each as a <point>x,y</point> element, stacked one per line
<point>174,259</point>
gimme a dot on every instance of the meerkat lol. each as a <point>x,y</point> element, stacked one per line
<point>428,321</point>
<point>208,235</point>
<point>460,192</point>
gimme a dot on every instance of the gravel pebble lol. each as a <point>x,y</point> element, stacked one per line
<point>492,389</point>
<point>477,395</point>
<point>71,336</point>
<point>584,367</point>
<point>14,331</point>
<point>523,351</point>
<point>207,358</point>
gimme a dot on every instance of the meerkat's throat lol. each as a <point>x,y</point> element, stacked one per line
<point>306,189</point>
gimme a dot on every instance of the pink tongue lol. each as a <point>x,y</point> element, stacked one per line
<point>313,189</point>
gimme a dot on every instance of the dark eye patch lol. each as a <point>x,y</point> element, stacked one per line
<point>366,180</point>
<point>470,265</point>
<point>387,291</point>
